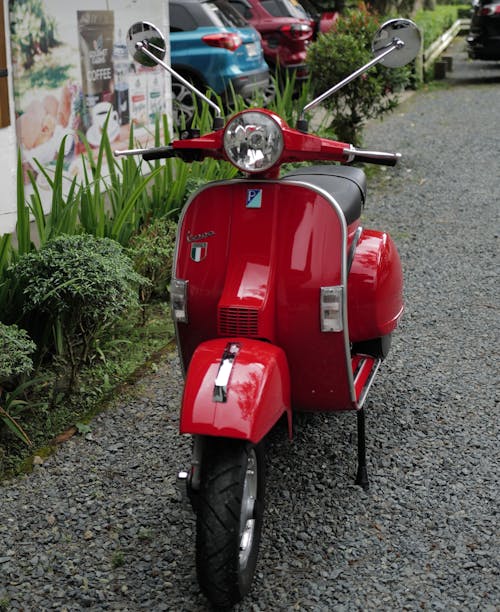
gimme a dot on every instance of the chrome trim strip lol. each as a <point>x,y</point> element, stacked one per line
<point>352,249</point>
<point>369,383</point>
<point>224,373</point>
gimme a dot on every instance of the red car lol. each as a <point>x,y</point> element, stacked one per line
<point>286,29</point>
<point>324,20</point>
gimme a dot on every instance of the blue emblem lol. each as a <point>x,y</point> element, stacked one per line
<point>254,198</point>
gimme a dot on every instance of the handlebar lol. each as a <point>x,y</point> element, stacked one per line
<point>150,154</point>
<point>330,150</point>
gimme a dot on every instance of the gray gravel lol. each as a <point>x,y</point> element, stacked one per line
<point>99,525</point>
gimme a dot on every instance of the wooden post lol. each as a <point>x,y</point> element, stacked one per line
<point>439,70</point>
<point>448,60</point>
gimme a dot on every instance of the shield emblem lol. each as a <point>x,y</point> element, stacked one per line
<point>198,251</point>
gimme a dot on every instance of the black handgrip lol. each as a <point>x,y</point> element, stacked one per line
<point>159,153</point>
<point>187,155</point>
<point>382,161</point>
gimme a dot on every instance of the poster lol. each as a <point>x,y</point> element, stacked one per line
<point>72,74</point>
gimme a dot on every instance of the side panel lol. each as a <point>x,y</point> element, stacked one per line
<point>375,287</point>
<point>201,258</point>
<point>258,391</point>
<point>311,252</point>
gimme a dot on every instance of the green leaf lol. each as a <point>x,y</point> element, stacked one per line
<point>14,427</point>
<point>83,428</point>
<point>23,220</point>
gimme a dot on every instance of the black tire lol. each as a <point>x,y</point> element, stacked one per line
<point>229,519</point>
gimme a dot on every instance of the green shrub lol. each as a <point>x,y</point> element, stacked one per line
<point>74,287</point>
<point>336,55</point>
<point>152,252</point>
<point>16,349</point>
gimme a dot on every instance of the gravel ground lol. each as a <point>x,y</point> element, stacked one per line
<point>99,525</point>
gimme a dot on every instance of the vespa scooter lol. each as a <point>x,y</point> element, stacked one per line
<point>282,302</point>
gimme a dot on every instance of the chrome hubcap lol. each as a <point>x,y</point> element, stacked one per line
<point>247,520</point>
<point>183,105</point>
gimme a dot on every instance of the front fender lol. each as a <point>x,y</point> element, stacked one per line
<point>256,393</point>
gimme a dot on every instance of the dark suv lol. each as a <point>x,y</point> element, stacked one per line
<point>286,29</point>
<point>483,40</point>
<point>214,48</point>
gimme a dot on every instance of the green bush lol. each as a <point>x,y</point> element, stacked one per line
<point>16,349</point>
<point>74,287</point>
<point>334,56</point>
<point>152,252</point>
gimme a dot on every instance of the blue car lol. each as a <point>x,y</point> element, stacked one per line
<point>216,49</point>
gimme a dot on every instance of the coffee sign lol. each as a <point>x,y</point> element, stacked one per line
<point>96,30</point>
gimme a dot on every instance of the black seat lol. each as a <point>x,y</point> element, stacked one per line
<point>345,183</point>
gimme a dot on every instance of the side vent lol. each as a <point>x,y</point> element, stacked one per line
<point>235,321</point>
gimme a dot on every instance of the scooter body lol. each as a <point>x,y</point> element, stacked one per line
<point>286,263</point>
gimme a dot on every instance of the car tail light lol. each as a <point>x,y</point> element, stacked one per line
<point>297,31</point>
<point>490,9</point>
<point>224,40</point>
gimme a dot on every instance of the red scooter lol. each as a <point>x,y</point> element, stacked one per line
<point>282,302</point>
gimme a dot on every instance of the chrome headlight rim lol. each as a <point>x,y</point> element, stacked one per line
<point>253,141</point>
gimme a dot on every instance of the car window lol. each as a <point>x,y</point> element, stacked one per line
<point>181,19</point>
<point>309,8</point>
<point>226,14</point>
<point>284,8</point>
<point>218,13</point>
<point>242,8</point>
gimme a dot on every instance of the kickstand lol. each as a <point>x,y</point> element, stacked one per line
<point>362,475</point>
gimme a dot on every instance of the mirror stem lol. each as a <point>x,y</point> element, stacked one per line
<point>143,46</point>
<point>395,44</point>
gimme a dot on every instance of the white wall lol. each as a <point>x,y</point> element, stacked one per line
<point>157,13</point>
<point>8,151</point>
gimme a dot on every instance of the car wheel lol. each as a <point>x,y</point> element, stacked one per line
<point>184,104</point>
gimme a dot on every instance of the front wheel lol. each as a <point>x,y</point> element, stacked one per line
<point>229,518</point>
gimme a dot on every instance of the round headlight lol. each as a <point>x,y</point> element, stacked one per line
<point>253,141</point>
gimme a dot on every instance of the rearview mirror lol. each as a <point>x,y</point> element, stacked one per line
<point>394,30</point>
<point>149,36</point>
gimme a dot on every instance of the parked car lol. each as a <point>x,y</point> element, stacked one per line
<point>286,29</point>
<point>214,48</point>
<point>483,40</point>
<point>323,20</point>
